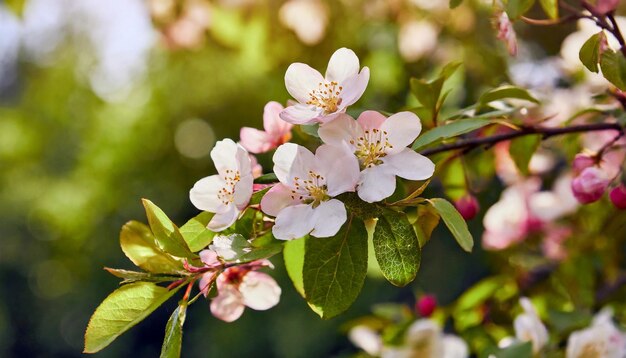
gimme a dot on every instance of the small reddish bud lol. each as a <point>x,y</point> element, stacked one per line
<point>581,162</point>
<point>467,206</point>
<point>426,305</point>
<point>590,185</point>
<point>618,196</point>
<point>603,7</point>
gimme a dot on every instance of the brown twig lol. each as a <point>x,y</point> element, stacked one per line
<point>470,144</point>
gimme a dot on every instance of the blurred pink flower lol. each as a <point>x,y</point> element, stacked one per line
<point>321,98</point>
<point>618,196</point>
<point>426,305</point>
<point>552,245</point>
<point>276,131</point>
<point>380,144</point>
<point>241,286</point>
<point>467,206</point>
<point>506,32</point>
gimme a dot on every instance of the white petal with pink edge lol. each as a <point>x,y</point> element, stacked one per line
<point>342,65</point>
<point>294,222</point>
<point>300,79</point>
<point>329,217</point>
<point>410,165</point>
<point>259,291</point>
<point>376,184</point>
<point>402,128</point>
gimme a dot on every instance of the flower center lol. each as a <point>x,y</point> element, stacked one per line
<point>371,147</point>
<point>326,96</point>
<point>227,194</point>
<point>593,350</point>
<point>310,191</point>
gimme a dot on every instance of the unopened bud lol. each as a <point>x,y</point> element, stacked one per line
<point>603,7</point>
<point>590,185</point>
<point>426,305</point>
<point>618,196</point>
<point>581,162</point>
<point>467,206</point>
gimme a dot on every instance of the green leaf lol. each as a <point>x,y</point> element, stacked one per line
<point>427,221</point>
<point>121,310</point>
<point>266,179</point>
<point>427,93</point>
<point>455,3</point>
<point>551,8</point>
<point>133,276</point>
<point>173,340</point>
<point>195,232</point>
<point>257,196</point>
<point>138,244</point>
<point>516,350</point>
<point>264,252</point>
<point>358,207</point>
<point>590,52</point>
<point>455,223</point>
<point>397,248</point>
<point>310,129</point>
<point>16,6</point>
<point>522,150</point>
<point>517,8</point>
<point>613,65</point>
<point>334,268</point>
<point>452,129</point>
<point>293,255</point>
<point>167,235</point>
<point>505,92</point>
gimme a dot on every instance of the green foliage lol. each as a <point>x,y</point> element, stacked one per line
<point>517,8</point>
<point>613,65</point>
<point>516,350</point>
<point>172,342</point>
<point>263,252</point>
<point>428,93</point>
<point>455,223</point>
<point>455,3</point>
<point>397,248</point>
<point>453,129</point>
<point>427,220</point>
<point>334,268</point>
<point>293,255</point>
<point>504,92</point>
<point>121,310</point>
<point>266,179</point>
<point>257,196</point>
<point>590,51</point>
<point>522,150</point>
<point>139,245</point>
<point>551,8</point>
<point>166,233</point>
<point>134,276</point>
<point>195,232</point>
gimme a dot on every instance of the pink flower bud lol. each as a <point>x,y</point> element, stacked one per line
<point>467,206</point>
<point>603,7</point>
<point>582,161</point>
<point>590,185</point>
<point>426,305</point>
<point>618,196</point>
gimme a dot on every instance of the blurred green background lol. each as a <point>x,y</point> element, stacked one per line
<point>103,103</point>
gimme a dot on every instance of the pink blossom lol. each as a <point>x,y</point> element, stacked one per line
<point>209,259</point>
<point>506,32</point>
<point>241,286</point>
<point>552,245</point>
<point>603,7</point>
<point>276,131</point>
<point>581,162</point>
<point>590,185</point>
<point>467,206</point>
<point>618,196</point>
<point>257,169</point>
<point>321,98</point>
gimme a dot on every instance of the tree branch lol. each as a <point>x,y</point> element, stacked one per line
<point>473,143</point>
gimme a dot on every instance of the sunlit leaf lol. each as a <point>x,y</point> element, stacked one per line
<point>517,8</point>
<point>613,65</point>
<point>195,232</point>
<point>133,276</point>
<point>293,255</point>
<point>173,340</point>
<point>427,220</point>
<point>522,150</point>
<point>449,130</point>
<point>166,233</point>
<point>504,92</point>
<point>138,244</point>
<point>121,310</point>
<point>590,51</point>
<point>455,223</point>
<point>335,267</point>
<point>551,7</point>
<point>397,248</point>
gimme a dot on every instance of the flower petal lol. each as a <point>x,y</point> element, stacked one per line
<point>272,123</point>
<point>376,184</point>
<point>276,199</point>
<point>329,217</point>
<point>223,220</point>
<point>402,128</point>
<point>301,114</point>
<point>354,87</point>
<point>224,154</point>
<point>343,129</point>
<point>410,165</point>
<point>205,282</point>
<point>209,257</point>
<point>300,80</point>
<point>243,191</point>
<point>259,291</point>
<point>203,195</point>
<point>228,305</point>
<point>292,160</point>
<point>339,166</point>
<point>343,64</point>
<point>293,222</point>
<point>371,120</point>
<point>254,140</point>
